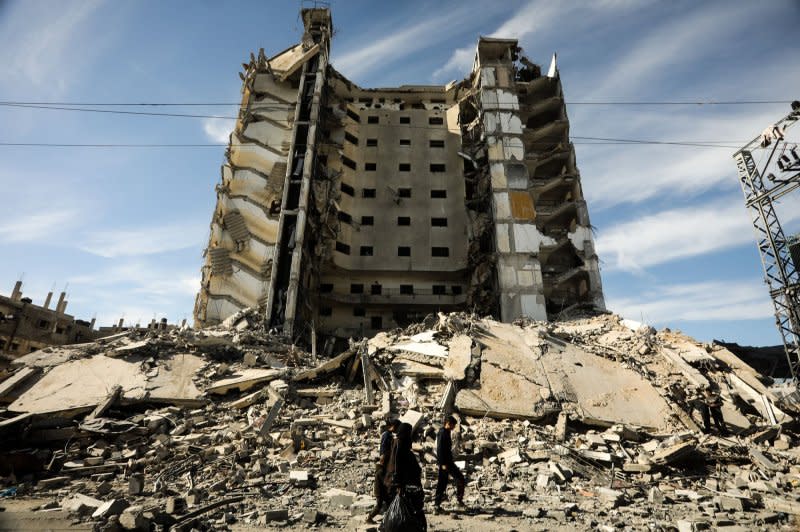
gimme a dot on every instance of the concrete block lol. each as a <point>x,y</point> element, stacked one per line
<point>109,508</point>
<point>510,457</point>
<point>80,504</point>
<point>136,484</point>
<point>281,514</point>
<point>340,498</point>
<point>731,504</point>
<point>413,418</point>
<point>133,518</point>
<point>299,477</point>
<point>175,505</point>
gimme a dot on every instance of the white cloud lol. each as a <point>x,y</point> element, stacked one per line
<point>459,64</point>
<point>37,225</point>
<point>145,240</point>
<point>532,17</point>
<point>703,301</point>
<point>137,290</point>
<point>668,48</point>
<point>218,129</point>
<point>536,17</point>
<point>413,37</point>
<point>679,233</point>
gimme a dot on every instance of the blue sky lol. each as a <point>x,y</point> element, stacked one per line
<point>124,228</point>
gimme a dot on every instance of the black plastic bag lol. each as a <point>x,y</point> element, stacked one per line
<point>400,517</point>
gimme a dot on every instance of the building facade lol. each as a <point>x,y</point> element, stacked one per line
<point>348,210</point>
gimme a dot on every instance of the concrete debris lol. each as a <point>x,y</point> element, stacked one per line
<point>561,425</point>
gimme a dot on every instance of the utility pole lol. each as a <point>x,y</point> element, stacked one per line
<point>763,183</point>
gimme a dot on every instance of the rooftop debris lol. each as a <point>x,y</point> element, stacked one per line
<point>589,423</point>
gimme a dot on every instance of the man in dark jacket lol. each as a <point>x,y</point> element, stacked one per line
<point>447,467</point>
<point>381,495</point>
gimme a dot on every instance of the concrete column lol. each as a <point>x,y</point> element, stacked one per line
<point>61,305</point>
<point>48,299</point>
<point>16,294</point>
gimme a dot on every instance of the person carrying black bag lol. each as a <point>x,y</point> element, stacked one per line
<point>404,484</point>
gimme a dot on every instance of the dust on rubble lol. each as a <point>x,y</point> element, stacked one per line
<point>592,423</point>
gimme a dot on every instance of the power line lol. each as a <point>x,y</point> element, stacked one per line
<point>577,102</point>
<point>598,142</point>
<point>182,115</point>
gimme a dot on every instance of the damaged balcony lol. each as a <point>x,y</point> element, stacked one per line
<point>558,186</point>
<point>554,212</point>
<point>531,92</point>
<point>545,138</point>
<point>551,164</point>
<point>542,113</point>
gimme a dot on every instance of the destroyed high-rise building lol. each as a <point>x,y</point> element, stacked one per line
<point>352,210</point>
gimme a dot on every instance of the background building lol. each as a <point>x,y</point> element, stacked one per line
<point>353,210</point>
<point>26,327</point>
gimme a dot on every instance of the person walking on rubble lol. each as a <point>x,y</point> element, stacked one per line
<point>446,465</point>
<point>711,407</point>
<point>403,474</point>
<point>380,492</point>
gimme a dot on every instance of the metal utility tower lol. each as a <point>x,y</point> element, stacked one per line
<point>778,175</point>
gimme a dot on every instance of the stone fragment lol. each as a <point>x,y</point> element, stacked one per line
<point>281,514</point>
<point>133,518</point>
<point>136,484</point>
<point>299,477</point>
<point>109,508</point>
<point>80,504</point>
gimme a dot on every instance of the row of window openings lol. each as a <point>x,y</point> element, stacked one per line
<point>402,251</point>
<point>401,220</point>
<point>375,322</point>
<point>405,289</point>
<point>434,168</point>
<point>401,192</point>
<point>371,143</point>
<point>373,119</point>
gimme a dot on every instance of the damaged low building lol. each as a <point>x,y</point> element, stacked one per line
<point>26,327</point>
<point>349,210</point>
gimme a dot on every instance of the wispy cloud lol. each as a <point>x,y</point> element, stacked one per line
<point>415,36</point>
<point>614,175</point>
<point>39,44</point>
<point>536,17</point>
<point>144,240</point>
<point>137,290</point>
<point>680,233</point>
<point>667,50</point>
<point>530,18</point>
<point>218,129</point>
<point>38,225</point>
<point>703,301</point>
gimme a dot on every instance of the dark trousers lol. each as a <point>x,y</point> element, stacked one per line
<point>379,491</point>
<point>715,412</point>
<point>441,482</point>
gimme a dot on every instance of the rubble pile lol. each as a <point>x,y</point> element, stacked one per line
<point>586,424</point>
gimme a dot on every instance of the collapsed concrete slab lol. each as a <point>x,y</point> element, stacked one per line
<point>80,385</point>
<point>521,377</point>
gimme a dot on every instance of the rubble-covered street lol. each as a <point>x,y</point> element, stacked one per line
<point>586,424</point>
